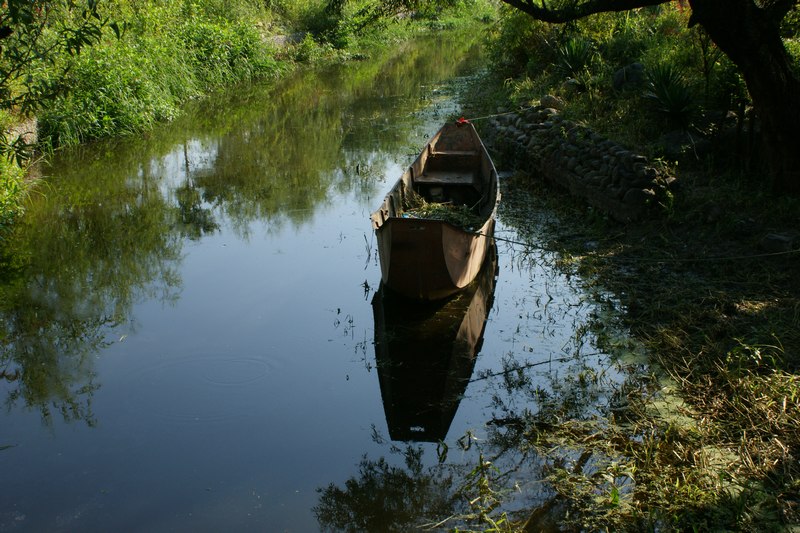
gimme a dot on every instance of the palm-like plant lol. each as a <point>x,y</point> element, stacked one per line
<point>575,56</point>
<point>670,94</point>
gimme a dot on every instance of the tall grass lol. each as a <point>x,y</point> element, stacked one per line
<point>171,52</point>
<point>669,93</point>
<point>12,188</point>
<point>163,53</point>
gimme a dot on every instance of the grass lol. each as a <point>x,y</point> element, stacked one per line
<point>168,55</point>
<point>719,321</point>
<point>12,185</point>
<point>704,435</point>
<point>458,215</point>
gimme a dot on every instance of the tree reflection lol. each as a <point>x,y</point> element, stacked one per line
<point>280,151</point>
<point>386,498</point>
<point>79,260</point>
<point>195,219</point>
<point>554,418</point>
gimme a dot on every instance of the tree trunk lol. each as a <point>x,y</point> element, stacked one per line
<point>750,37</point>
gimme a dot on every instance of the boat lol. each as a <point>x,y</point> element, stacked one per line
<point>425,354</point>
<point>425,257</point>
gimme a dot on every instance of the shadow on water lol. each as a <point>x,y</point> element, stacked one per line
<point>425,354</point>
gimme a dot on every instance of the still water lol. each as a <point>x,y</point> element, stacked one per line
<point>192,336</point>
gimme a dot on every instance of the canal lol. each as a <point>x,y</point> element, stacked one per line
<point>192,336</point>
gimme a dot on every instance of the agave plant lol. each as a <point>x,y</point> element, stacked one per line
<point>575,56</point>
<point>670,94</point>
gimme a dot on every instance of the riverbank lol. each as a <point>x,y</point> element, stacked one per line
<point>705,434</point>
<point>702,284</point>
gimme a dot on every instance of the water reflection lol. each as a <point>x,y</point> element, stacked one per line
<point>109,228</point>
<point>425,354</point>
<point>544,372</point>
<point>80,259</point>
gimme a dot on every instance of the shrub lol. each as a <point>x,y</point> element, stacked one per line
<point>12,190</point>
<point>115,91</point>
<point>575,57</point>
<point>172,52</point>
<point>670,94</point>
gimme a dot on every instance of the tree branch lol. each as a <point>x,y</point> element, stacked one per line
<point>778,9</point>
<point>577,9</point>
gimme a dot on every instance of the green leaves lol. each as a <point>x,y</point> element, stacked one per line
<point>670,94</point>
<point>35,39</point>
<point>575,57</point>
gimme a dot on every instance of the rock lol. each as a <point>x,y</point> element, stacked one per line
<point>679,143</point>
<point>573,86</point>
<point>608,176</point>
<point>630,76</point>
<point>638,196</point>
<point>552,102</point>
<point>777,242</point>
<point>286,40</point>
<point>27,130</point>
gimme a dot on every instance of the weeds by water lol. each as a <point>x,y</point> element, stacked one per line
<point>707,438</point>
<point>710,440</point>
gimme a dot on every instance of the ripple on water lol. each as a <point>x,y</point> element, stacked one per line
<point>210,387</point>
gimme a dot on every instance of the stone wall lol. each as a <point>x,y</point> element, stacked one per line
<point>603,173</point>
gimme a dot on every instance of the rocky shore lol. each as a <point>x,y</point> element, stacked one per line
<point>622,184</point>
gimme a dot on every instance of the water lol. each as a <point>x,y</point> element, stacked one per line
<point>187,329</point>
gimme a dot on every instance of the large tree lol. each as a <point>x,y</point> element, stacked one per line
<point>749,33</point>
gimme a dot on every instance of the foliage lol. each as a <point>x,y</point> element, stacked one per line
<point>670,95</point>
<point>375,21</point>
<point>35,37</point>
<point>701,437</point>
<point>459,215</point>
<point>575,57</point>
<point>170,53</point>
<point>691,84</point>
<point>12,191</point>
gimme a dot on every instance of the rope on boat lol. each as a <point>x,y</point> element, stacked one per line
<point>500,114</point>
<point>648,260</point>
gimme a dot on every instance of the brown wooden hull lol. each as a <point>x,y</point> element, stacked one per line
<point>425,353</point>
<point>429,259</point>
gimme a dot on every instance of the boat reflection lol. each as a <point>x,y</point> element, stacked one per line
<point>425,353</point>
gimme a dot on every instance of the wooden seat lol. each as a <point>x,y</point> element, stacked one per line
<point>447,177</point>
<point>437,153</point>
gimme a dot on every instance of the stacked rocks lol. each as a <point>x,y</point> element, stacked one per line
<point>606,175</point>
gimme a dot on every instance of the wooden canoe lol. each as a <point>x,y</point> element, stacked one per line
<point>425,353</point>
<point>428,259</point>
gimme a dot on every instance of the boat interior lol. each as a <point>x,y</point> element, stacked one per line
<point>450,177</point>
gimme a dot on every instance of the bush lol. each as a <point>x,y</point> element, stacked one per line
<point>670,95</point>
<point>12,189</point>
<point>575,57</point>
<point>171,53</point>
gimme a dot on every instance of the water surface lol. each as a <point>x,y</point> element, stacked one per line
<point>187,322</point>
